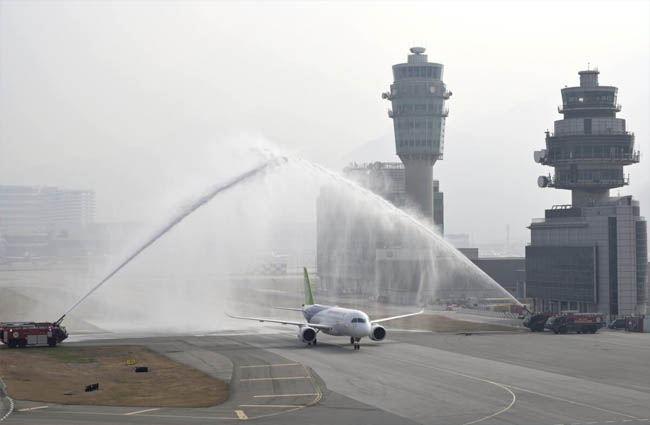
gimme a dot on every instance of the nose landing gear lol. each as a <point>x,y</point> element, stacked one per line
<point>355,342</point>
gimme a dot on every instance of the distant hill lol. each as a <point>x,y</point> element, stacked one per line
<point>381,149</point>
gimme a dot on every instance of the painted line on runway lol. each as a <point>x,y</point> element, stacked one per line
<point>241,414</point>
<point>476,378</point>
<point>141,411</point>
<point>281,406</point>
<point>577,403</point>
<point>28,409</point>
<point>269,365</point>
<point>280,378</point>
<point>285,395</point>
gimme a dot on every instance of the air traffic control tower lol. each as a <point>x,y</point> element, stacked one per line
<point>590,255</point>
<point>418,98</point>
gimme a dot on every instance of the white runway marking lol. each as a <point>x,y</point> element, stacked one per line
<point>574,402</point>
<point>269,365</point>
<point>141,411</point>
<point>27,409</point>
<point>281,378</point>
<point>282,406</point>
<point>285,395</point>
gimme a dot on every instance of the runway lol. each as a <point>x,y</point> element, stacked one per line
<point>414,377</point>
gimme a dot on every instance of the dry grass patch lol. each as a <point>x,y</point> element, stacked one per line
<point>59,375</point>
<point>440,323</point>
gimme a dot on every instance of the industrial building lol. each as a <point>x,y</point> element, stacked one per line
<point>388,180</point>
<point>590,255</point>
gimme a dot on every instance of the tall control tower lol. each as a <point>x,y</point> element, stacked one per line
<point>590,255</point>
<point>418,111</point>
<point>590,145</point>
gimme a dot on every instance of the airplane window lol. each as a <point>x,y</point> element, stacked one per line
<point>355,320</point>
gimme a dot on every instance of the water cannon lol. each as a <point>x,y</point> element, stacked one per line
<point>387,95</point>
<point>58,322</point>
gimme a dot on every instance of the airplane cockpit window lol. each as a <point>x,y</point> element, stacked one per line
<point>358,320</point>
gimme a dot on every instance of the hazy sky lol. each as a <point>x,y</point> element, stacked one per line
<point>124,97</point>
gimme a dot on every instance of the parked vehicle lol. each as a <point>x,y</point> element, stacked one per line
<point>617,324</point>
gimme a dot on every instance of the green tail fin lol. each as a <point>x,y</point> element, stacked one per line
<point>309,298</point>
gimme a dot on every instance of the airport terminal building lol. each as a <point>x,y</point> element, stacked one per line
<point>590,255</point>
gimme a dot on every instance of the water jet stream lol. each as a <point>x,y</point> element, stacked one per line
<point>419,225</point>
<point>204,199</point>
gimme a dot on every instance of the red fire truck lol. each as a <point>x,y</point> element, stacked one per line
<point>22,334</point>
<point>575,322</point>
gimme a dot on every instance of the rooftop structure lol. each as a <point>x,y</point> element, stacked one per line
<point>590,145</point>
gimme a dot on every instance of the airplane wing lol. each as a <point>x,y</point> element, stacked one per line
<point>386,319</point>
<point>288,308</point>
<point>284,322</point>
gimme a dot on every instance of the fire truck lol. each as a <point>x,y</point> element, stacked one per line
<point>575,322</point>
<point>22,334</point>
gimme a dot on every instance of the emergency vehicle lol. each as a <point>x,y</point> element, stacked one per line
<point>22,334</point>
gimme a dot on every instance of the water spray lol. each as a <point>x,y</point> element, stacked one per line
<point>193,206</point>
<point>402,214</point>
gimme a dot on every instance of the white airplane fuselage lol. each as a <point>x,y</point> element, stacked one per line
<point>340,321</point>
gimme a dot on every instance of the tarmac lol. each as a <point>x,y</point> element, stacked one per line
<point>410,378</point>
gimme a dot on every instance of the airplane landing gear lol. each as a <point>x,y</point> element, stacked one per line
<point>355,341</point>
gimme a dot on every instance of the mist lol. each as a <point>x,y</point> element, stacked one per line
<point>123,98</point>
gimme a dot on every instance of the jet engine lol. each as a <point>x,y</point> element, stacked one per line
<point>377,332</point>
<point>307,334</point>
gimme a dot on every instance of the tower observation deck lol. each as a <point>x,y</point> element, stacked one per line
<point>418,98</point>
<point>590,146</point>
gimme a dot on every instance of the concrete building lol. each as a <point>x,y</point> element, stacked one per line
<point>31,217</point>
<point>388,180</point>
<point>590,255</point>
<point>418,97</point>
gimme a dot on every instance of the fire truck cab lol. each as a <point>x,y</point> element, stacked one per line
<point>22,334</point>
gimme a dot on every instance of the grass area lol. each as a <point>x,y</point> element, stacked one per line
<point>64,354</point>
<point>59,375</point>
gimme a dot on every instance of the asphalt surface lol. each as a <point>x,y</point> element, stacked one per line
<point>414,377</point>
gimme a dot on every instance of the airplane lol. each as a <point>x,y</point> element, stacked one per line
<point>337,321</point>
